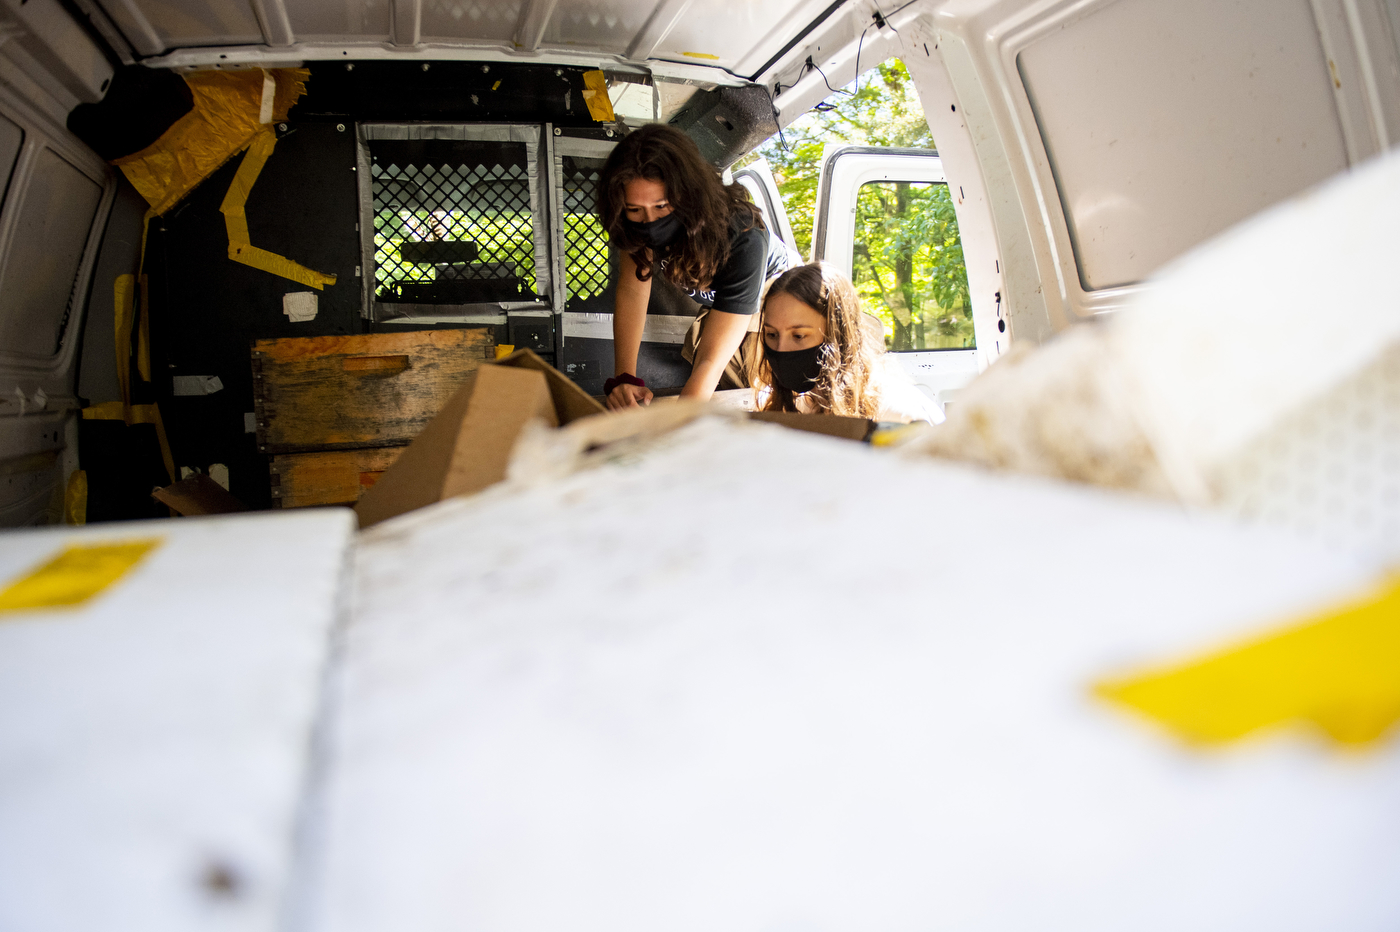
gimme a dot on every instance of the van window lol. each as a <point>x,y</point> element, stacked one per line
<point>57,206</point>
<point>585,243</point>
<point>908,265</point>
<point>452,221</point>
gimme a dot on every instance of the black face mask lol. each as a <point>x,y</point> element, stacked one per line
<point>797,371</point>
<point>658,233</point>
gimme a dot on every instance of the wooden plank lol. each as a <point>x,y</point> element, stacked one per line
<point>365,390</point>
<point>336,477</point>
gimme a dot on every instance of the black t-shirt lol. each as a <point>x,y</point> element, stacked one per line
<point>754,257</point>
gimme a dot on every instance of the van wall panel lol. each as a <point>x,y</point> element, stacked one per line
<point>118,254</point>
<point>365,19</point>
<point>478,20</point>
<point>200,22</point>
<point>1167,123</point>
<point>46,247</point>
<point>207,309</point>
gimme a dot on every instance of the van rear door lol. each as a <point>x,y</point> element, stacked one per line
<point>757,178</point>
<point>886,218</point>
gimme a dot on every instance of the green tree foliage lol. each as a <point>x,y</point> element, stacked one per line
<point>908,264</point>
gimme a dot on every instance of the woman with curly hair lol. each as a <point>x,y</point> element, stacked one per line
<point>822,354</point>
<point>669,215</point>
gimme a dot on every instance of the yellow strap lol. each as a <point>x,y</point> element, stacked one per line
<point>123,300</point>
<point>240,249</point>
<point>143,330</point>
<point>1339,671</point>
<point>135,414</point>
<point>74,575</point>
<point>595,95</point>
<point>75,499</point>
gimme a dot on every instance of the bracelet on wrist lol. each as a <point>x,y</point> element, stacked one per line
<point>625,378</point>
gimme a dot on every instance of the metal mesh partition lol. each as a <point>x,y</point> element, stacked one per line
<point>587,272</point>
<point>452,221</point>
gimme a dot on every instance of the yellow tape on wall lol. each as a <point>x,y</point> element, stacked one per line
<point>236,221</point>
<point>1340,672</point>
<point>228,112</point>
<point>124,312</point>
<point>74,575</point>
<point>75,497</point>
<point>595,95</point>
<point>143,329</point>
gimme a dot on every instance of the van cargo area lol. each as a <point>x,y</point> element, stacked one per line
<point>333,597</point>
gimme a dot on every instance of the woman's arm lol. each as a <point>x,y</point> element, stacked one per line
<point>629,319</point>
<point>720,338</point>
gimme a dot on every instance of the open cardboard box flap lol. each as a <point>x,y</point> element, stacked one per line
<point>833,425</point>
<point>466,447</point>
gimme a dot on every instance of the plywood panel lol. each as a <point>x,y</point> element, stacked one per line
<point>367,390</point>
<point>335,477</point>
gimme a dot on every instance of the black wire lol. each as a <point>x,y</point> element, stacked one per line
<point>824,107</point>
<point>813,66</point>
<point>859,45</point>
<point>773,103</point>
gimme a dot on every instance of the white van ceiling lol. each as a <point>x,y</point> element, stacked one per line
<point>739,36</point>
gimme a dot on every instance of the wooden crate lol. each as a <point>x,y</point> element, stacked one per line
<point>367,390</point>
<point>335,477</point>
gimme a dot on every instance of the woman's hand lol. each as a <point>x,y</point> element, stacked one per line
<point>628,396</point>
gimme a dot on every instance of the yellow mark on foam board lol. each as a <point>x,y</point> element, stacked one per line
<point>75,575</point>
<point>701,55</point>
<point>1339,671</point>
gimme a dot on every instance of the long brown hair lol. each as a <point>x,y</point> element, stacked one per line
<point>849,383</point>
<point>696,194</point>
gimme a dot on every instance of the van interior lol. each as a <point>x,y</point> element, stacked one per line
<point>430,167</point>
<point>671,668</point>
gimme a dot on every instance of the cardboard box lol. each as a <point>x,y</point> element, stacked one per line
<point>848,428</point>
<point>198,495</point>
<point>466,447</point>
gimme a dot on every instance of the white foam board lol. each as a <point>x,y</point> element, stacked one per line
<point>155,742</point>
<point>760,680</point>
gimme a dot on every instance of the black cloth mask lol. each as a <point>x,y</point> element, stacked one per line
<point>797,370</point>
<point>658,233</point>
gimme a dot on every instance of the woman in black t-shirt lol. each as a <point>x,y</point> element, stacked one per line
<point>666,210</point>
